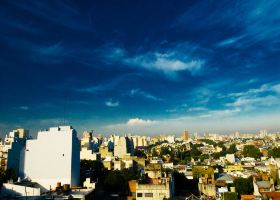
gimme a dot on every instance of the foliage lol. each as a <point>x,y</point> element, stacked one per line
<point>208,141</point>
<point>195,153</point>
<point>230,196</point>
<point>251,151</point>
<point>117,181</point>
<point>232,149</point>
<point>139,153</point>
<point>154,152</point>
<point>243,185</point>
<point>92,169</point>
<point>197,171</point>
<point>203,157</point>
<point>275,152</point>
<point>112,181</point>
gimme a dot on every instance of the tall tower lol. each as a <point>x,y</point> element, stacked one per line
<point>185,135</point>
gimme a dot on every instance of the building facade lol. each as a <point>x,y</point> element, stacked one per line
<point>54,157</point>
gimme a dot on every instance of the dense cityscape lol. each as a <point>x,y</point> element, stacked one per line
<point>139,100</point>
<point>59,165</point>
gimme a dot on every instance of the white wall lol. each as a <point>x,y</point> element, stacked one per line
<point>53,157</point>
<point>87,154</point>
<point>11,189</point>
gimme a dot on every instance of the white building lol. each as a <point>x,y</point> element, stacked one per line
<point>11,148</point>
<point>123,146</point>
<point>53,157</point>
<point>158,186</point>
<point>230,158</point>
<point>88,154</point>
<point>139,141</point>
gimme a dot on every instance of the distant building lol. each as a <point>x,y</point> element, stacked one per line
<point>104,151</point>
<point>11,149</point>
<point>139,141</point>
<point>158,185</point>
<point>87,147</point>
<point>88,154</point>
<point>230,158</point>
<point>185,136</point>
<point>86,140</point>
<point>170,138</point>
<point>54,157</point>
<point>123,146</point>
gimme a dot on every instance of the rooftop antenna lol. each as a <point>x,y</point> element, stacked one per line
<point>64,109</point>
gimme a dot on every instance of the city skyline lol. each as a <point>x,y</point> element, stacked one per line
<point>143,68</point>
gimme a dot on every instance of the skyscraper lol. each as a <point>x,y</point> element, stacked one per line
<point>185,135</point>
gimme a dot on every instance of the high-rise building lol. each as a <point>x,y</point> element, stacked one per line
<point>86,140</point>
<point>123,146</point>
<point>54,157</point>
<point>185,136</point>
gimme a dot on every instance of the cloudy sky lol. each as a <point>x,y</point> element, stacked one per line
<point>141,67</point>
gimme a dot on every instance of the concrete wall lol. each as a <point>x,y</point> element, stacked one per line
<point>159,191</point>
<point>87,154</point>
<point>53,157</point>
<point>11,189</point>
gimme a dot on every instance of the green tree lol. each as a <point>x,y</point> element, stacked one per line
<point>117,181</point>
<point>93,169</point>
<point>232,149</point>
<point>251,151</point>
<point>243,186</point>
<point>203,157</point>
<point>230,196</point>
<point>197,171</point>
<point>139,153</point>
<point>208,141</point>
<point>275,152</point>
<point>154,152</point>
<point>195,153</point>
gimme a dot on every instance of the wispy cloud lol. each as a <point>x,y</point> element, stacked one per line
<point>232,40</point>
<point>219,113</point>
<point>174,59</point>
<point>112,103</point>
<point>141,93</point>
<point>23,108</point>
<point>195,109</point>
<point>169,63</point>
<point>54,53</point>
<point>264,96</point>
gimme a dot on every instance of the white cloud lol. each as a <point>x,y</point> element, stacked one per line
<point>138,121</point>
<point>219,121</point>
<point>265,95</point>
<point>111,103</point>
<point>169,62</point>
<point>174,59</point>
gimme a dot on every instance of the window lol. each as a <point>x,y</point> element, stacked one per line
<point>139,195</point>
<point>149,195</point>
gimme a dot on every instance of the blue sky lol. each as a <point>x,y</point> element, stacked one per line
<point>141,67</point>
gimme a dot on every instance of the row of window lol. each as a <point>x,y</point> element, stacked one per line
<point>146,195</point>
